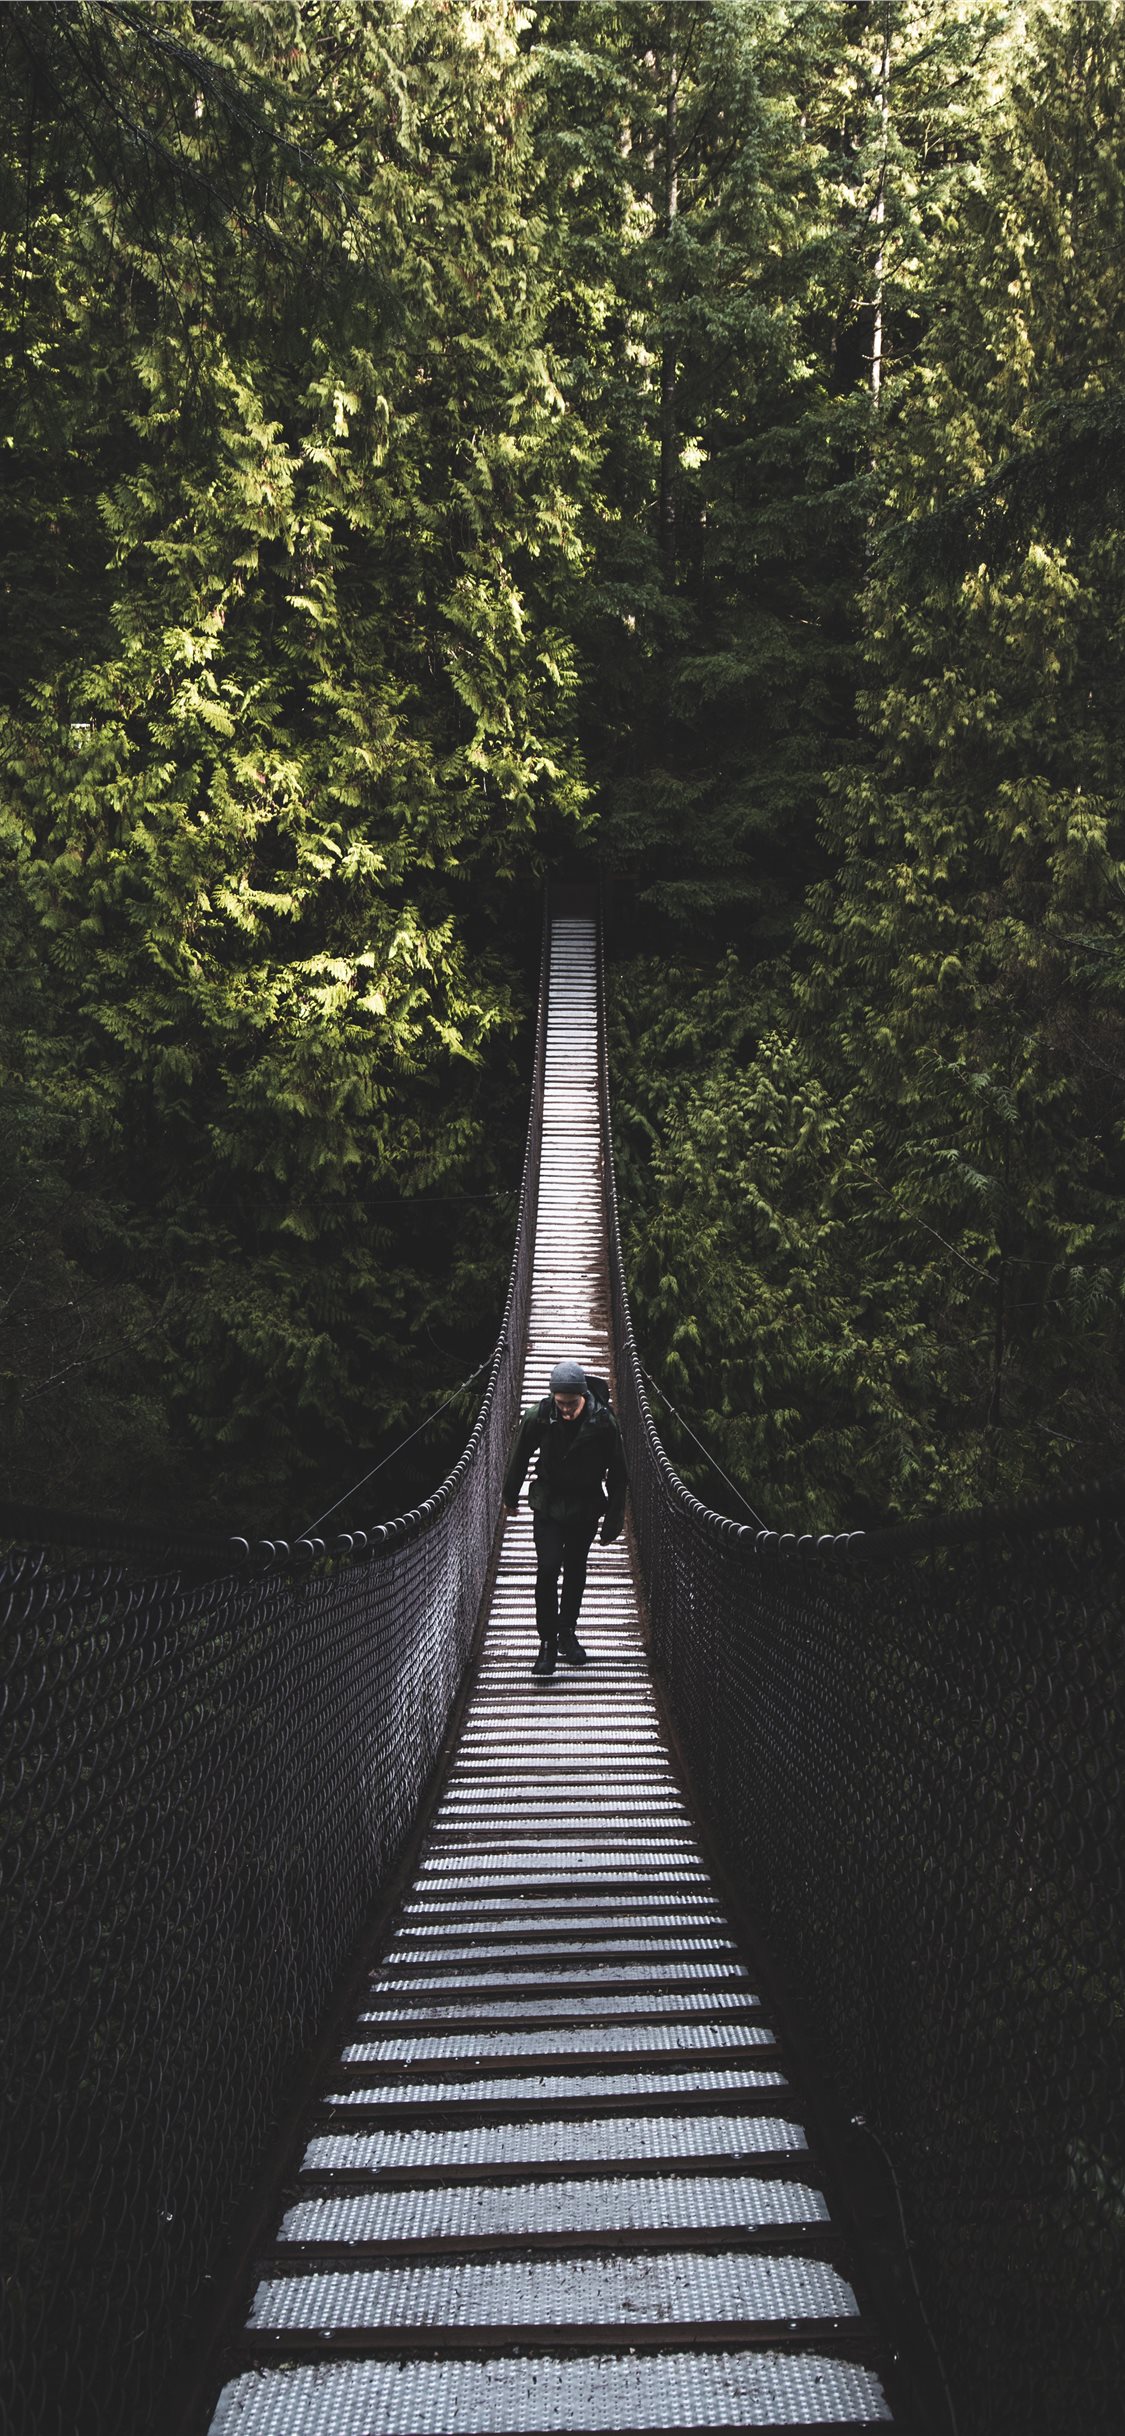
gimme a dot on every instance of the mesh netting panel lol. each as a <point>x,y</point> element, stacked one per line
<point>204,1783</point>
<point>912,1759</point>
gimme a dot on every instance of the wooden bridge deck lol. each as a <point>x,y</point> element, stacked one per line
<point>560,2178</point>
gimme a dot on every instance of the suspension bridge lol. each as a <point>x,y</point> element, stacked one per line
<point>735,2034</point>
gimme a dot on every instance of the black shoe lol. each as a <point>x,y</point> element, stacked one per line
<point>545,1662</point>
<point>570,1648</point>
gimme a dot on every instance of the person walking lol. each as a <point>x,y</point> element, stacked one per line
<point>579,1476</point>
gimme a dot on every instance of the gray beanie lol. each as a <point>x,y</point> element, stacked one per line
<point>567,1379</point>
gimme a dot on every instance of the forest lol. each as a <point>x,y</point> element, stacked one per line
<point>450,442</point>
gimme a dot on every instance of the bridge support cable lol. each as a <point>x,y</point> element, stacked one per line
<point>559,2177</point>
<point>909,1745</point>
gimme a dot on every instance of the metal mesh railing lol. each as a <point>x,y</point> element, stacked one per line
<point>205,1781</point>
<point>910,1748</point>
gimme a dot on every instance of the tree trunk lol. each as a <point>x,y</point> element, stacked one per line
<point>1000,1308</point>
<point>879,212</point>
<point>668,363</point>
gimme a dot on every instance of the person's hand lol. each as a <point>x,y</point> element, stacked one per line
<point>606,1533</point>
<point>510,1509</point>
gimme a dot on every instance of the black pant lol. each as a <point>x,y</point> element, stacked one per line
<point>560,1548</point>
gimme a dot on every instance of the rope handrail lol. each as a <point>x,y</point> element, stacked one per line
<point>209,1761</point>
<point>908,1742</point>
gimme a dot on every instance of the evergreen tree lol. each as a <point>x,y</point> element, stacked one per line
<point>751,194</point>
<point>976,918</point>
<point>412,405</point>
<point>901,1155</point>
<point>723,518</point>
<point>287,724</point>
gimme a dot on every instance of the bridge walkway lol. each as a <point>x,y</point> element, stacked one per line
<point>560,2179</point>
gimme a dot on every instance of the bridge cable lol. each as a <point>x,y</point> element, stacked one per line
<point>685,1425</point>
<point>397,1450</point>
<point>860,2123</point>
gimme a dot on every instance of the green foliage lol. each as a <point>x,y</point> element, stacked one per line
<point>748,196</point>
<point>902,1146</point>
<point>421,415</point>
<point>722,514</point>
<point>979,839</point>
<point>288,713</point>
<point>788,1328</point>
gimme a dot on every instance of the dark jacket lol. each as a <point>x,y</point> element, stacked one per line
<point>580,1472</point>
